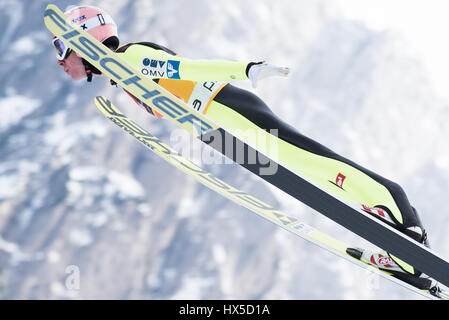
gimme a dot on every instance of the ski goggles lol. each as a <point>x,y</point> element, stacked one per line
<point>62,51</point>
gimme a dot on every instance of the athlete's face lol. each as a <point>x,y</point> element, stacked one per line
<point>73,66</point>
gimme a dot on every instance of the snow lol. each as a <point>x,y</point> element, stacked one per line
<point>23,46</point>
<point>124,185</point>
<point>423,25</point>
<point>9,186</point>
<point>97,219</point>
<point>192,288</point>
<point>14,177</point>
<point>87,173</point>
<point>53,256</point>
<point>16,254</point>
<point>83,185</point>
<point>64,136</point>
<point>80,237</point>
<point>14,12</point>
<point>15,108</point>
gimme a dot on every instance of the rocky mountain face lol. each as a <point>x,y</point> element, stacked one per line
<point>88,213</point>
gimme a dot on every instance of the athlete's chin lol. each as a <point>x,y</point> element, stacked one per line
<point>77,76</point>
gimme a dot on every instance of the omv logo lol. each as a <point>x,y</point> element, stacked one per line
<point>153,68</point>
<point>153,63</point>
<point>173,69</point>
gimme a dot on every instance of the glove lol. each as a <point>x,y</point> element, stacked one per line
<point>262,70</point>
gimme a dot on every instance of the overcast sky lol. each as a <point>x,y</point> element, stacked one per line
<point>424,24</point>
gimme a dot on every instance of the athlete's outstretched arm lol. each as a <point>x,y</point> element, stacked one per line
<point>155,62</point>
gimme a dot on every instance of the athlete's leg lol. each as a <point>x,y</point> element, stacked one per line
<point>256,111</point>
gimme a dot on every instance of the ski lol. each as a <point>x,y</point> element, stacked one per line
<point>350,216</point>
<point>262,209</point>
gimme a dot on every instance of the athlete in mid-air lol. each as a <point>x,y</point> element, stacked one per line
<point>202,84</point>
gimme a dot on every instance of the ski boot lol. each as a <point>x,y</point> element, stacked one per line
<point>384,261</point>
<point>384,214</point>
<point>381,260</point>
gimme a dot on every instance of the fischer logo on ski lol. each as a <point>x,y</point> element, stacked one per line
<point>127,78</point>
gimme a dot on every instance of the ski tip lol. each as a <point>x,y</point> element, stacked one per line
<point>50,6</point>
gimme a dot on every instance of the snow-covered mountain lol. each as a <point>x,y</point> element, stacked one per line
<point>87,212</point>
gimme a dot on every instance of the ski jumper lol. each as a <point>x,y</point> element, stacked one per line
<point>202,85</point>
